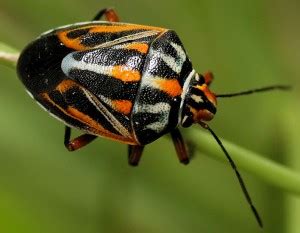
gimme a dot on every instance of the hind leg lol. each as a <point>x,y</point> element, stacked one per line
<point>78,142</point>
<point>110,15</point>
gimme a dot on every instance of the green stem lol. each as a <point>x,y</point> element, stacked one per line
<point>265,169</point>
<point>8,55</point>
<point>257,164</point>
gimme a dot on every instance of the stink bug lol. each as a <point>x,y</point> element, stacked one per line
<point>126,82</point>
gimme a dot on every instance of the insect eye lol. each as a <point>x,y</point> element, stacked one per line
<point>201,79</point>
<point>187,119</point>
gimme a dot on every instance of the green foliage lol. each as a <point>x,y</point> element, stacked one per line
<point>8,55</point>
<point>247,44</point>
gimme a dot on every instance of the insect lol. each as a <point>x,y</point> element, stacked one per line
<point>126,82</point>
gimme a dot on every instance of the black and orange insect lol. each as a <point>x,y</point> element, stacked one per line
<point>126,82</point>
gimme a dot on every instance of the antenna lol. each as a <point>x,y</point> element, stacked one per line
<point>263,89</point>
<point>238,175</point>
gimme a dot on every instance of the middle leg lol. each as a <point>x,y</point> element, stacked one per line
<point>76,143</point>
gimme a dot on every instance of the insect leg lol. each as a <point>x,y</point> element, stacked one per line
<point>134,154</point>
<point>191,149</point>
<point>180,146</point>
<point>78,142</point>
<point>208,77</point>
<point>109,14</point>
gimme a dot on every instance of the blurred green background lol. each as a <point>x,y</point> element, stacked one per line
<point>44,188</point>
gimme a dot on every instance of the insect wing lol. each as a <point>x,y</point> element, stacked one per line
<point>104,34</point>
<point>112,74</point>
<point>78,107</point>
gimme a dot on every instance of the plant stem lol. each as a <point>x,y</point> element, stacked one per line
<point>271,172</point>
<point>265,169</point>
<point>8,55</point>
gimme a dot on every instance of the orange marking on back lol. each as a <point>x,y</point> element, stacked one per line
<point>123,27</point>
<point>86,119</point>
<point>170,86</point>
<point>210,96</point>
<point>122,106</point>
<point>125,74</point>
<point>47,98</point>
<point>71,43</point>
<point>65,85</point>
<point>141,47</point>
<point>94,127</point>
<point>76,43</point>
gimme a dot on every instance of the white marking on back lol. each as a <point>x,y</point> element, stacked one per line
<point>123,39</point>
<point>185,90</point>
<point>197,98</point>
<point>89,59</point>
<point>89,62</point>
<point>173,62</point>
<point>29,93</point>
<point>157,126</point>
<point>74,24</point>
<point>42,106</point>
<point>108,116</point>
<point>108,102</point>
<point>161,108</point>
<point>69,63</point>
<point>56,117</point>
<point>124,45</point>
<point>149,80</point>
<point>184,119</point>
<point>179,50</point>
<point>154,108</point>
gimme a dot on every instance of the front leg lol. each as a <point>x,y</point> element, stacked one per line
<point>208,77</point>
<point>109,14</point>
<point>78,142</point>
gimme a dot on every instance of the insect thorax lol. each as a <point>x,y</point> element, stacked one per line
<point>157,105</point>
